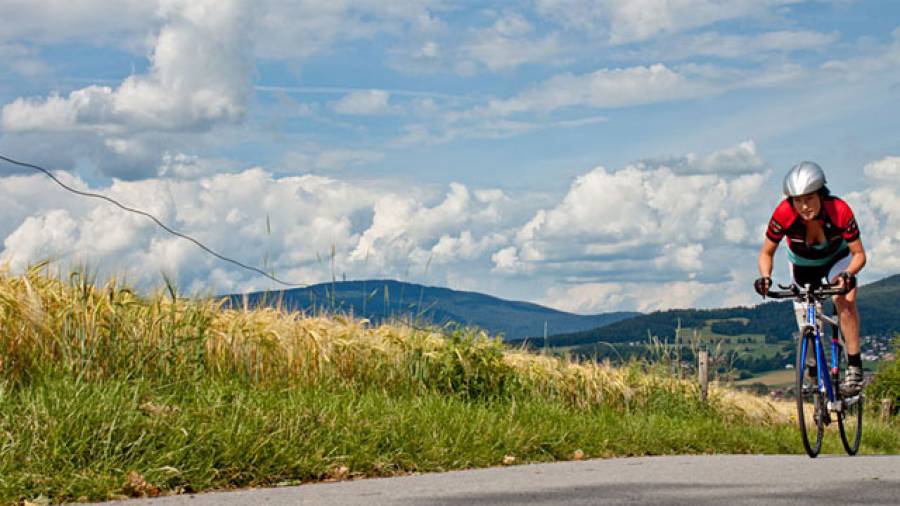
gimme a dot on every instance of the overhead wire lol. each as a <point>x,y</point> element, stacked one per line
<point>153,218</point>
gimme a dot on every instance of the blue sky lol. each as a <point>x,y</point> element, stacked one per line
<point>592,155</point>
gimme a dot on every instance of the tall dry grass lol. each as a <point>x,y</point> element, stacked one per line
<point>51,325</point>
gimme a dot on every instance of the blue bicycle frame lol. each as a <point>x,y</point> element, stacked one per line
<point>824,378</point>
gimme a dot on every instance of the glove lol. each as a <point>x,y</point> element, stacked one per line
<point>762,285</point>
<point>849,281</point>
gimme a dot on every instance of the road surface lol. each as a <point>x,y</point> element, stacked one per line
<point>680,480</point>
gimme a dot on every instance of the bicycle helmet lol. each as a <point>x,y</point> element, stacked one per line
<point>803,179</point>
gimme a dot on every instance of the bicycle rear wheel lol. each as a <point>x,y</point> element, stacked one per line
<point>851,414</point>
<point>811,408</point>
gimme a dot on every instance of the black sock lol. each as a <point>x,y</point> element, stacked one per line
<point>854,360</point>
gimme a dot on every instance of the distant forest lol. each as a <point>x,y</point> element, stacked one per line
<point>879,306</point>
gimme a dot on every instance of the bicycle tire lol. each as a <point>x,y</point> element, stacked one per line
<point>810,420</point>
<point>850,418</point>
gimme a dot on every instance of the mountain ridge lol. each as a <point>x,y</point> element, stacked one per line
<point>381,299</point>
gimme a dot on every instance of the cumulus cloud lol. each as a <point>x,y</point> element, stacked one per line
<point>401,224</point>
<point>587,298</point>
<point>878,211</point>
<point>645,236</point>
<point>199,77</point>
<point>183,166</point>
<point>647,244</point>
<point>648,225</point>
<point>288,225</point>
<point>742,158</point>
<point>887,169</point>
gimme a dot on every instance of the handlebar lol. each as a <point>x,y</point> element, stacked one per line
<point>793,291</point>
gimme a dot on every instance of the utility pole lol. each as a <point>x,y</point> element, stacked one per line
<point>545,337</point>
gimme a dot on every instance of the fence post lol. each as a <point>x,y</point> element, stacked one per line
<point>703,370</point>
<point>887,408</point>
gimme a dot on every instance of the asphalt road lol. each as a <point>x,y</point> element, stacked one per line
<point>696,481</point>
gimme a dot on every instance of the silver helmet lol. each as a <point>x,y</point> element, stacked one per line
<point>804,178</point>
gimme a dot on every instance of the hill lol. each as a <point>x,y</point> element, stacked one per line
<point>878,304</point>
<point>378,300</point>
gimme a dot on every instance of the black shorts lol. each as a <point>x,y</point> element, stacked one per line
<point>815,275</point>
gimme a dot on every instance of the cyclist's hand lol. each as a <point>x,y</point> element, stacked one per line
<point>846,282</point>
<point>762,285</point>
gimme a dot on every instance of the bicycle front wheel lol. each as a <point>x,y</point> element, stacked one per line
<point>811,408</point>
<point>850,423</point>
<point>851,415</point>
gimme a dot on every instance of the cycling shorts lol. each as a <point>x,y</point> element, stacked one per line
<point>813,275</point>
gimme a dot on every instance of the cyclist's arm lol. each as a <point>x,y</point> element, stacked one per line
<point>858,258</point>
<point>766,257</point>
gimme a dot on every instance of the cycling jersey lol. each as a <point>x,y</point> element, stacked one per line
<point>837,221</point>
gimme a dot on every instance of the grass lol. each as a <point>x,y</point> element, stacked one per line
<point>106,394</point>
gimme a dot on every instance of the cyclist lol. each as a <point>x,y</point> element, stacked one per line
<point>823,242</point>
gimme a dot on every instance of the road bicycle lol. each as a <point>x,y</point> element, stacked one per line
<point>817,388</point>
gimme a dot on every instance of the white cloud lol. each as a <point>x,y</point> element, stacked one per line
<point>626,21</point>
<point>677,252</point>
<point>363,102</point>
<point>642,237</point>
<point>509,43</point>
<point>714,44</point>
<point>22,60</point>
<point>55,21</point>
<point>742,158</point>
<point>877,62</point>
<point>182,166</point>
<point>375,232</point>
<point>400,224</point>
<point>507,260</point>
<point>318,159</point>
<point>642,222</point>
<point>199,77</point>
<point>631,86</point>
<point>878,211</point>
<point>298,29</point>
<point>588,298</point>
<point>887,169</point>
<point>603,88</point>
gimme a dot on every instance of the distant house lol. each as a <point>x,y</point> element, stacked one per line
<point>789,366</point>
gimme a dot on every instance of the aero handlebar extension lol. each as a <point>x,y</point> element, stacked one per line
<point>793,291</point>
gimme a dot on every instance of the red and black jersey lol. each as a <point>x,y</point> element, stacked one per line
<point>837,221</point>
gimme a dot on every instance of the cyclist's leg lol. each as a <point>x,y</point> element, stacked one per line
<point>849,316</point>
<point>846,307</point>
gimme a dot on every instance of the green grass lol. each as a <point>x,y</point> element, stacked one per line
<point>106,394</point>
<point>69,440</point>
